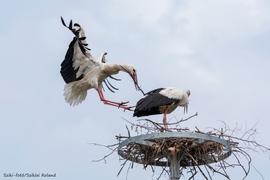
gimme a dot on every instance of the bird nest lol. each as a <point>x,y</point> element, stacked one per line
<point>156,149</point>
<point>198,152</point>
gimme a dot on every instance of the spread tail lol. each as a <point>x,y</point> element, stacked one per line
<point>74,95</point>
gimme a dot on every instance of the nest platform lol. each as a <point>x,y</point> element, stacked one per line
<point>175,150</point>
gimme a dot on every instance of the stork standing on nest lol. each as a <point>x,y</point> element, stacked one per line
<point>82,72</point>
<point>162,101</point>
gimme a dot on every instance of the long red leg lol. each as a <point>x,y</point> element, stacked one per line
<point>165,119</point>
<point>112,103</point>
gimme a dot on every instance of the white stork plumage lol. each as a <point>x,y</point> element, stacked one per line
<point>162,101</point>
<point>81,71</point>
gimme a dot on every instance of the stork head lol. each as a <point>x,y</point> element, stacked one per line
<point>131,70</point>
<point>187,91</point>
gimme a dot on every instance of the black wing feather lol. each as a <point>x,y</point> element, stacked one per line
<point>67,70</point>
<point>70,25</point>
<point>149,105</point>
<point>63,22</point>
<point>106,81</point>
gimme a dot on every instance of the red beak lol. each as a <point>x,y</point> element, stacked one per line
<point>135,80</point>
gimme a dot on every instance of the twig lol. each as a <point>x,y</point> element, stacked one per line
<point>183,120</point>
<point>104,158</point>
<point>195,155</point>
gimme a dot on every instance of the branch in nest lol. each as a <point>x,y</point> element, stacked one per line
<point>183,120</point>
<point>106,146</point>
<point>157,125</point>
<point>196,153</point>
<point>160,127</point>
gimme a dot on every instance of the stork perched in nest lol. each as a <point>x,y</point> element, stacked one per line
<point>81,71</point>
<point>162,101</point>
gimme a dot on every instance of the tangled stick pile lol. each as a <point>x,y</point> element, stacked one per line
<point>203,157</point>
<point>199,155</point>
<point>194,152</point>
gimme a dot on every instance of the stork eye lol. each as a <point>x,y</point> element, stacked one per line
<point>134,70</point>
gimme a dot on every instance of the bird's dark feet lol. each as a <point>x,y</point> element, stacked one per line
<point>123,103</point>
<point>129,108</point>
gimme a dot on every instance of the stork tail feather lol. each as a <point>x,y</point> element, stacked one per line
<point>74,96</point>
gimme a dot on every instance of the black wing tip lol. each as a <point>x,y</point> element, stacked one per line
<point>82,38</point>
<point>111,85</point>
<point>114,78</point>
<point>108,87</point>
<point>146,112</point>
<point>154,91</point>
<point>70,25</point>
<point>63,22</point>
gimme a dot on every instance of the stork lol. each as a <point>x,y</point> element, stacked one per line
<point>81,71</point>
<point>162,101</point>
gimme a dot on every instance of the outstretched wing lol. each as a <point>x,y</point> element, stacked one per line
<point>78,58</point>
<point>79,34</point>
<point>67,71</point>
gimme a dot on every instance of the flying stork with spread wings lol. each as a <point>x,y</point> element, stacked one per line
<point>81,71</point>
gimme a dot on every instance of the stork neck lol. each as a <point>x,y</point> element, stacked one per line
<point>115,68</point>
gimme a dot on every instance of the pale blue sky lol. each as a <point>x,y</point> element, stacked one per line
<point>217,49</point>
